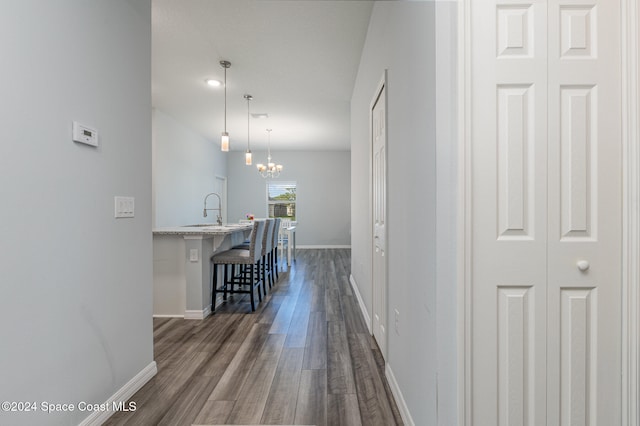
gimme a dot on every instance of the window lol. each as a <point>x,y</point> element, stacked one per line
<point>281,199</point>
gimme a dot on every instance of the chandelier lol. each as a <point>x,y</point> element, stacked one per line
<point>271,170</point>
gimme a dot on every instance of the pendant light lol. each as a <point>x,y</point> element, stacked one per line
<point>247,155</point>
<point>224,140</point>
<point>271,170</point>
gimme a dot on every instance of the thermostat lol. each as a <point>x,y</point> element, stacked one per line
<point>84,134</point>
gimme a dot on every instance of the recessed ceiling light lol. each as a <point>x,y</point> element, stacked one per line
<point>213,83</point>
<point>260,115</point>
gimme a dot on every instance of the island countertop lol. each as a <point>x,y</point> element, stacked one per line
<point>203,229</point>
<point>182,266</point>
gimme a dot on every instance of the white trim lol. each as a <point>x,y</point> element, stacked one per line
<point>363,307</point>
<point>197,314</point>
<point>631,214</point>
<point>397,394</point>
<point>323,246</point>
<point>167,316</point>
<point>122,395</point>
<point>464,211</point>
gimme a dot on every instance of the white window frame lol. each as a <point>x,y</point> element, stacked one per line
<point>282,184</point>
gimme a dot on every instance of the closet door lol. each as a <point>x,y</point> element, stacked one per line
<point>509,218</point>
<point>546,213</point>
<point>585,212</point>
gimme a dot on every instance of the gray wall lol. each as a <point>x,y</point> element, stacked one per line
<point>76,300</point>
<point>415,42</point>
<point>323,193</point>
<point>185,166</point>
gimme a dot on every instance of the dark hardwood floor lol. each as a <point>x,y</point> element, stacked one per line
<point>304,357</point>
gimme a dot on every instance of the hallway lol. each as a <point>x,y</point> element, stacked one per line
<point>304,357</point>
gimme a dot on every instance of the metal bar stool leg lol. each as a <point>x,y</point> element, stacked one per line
<point>253,303</point>
<point>264,276</point>
<point>226,282</point>
<point>213,289</point>
<point>260,281</point>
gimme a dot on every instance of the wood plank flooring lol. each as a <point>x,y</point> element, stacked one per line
<point>304,357</point>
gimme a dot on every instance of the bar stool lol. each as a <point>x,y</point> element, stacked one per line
<point>266,249</point>
<point>249,262</point>
<point>267,271</point>
<point>273,257</point>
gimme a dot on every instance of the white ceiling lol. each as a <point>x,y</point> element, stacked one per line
<point>298,59</point>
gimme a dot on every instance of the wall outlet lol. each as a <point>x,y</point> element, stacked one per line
<point>397,321</point>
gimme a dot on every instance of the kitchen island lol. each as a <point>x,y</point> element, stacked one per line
<point>181,267</point>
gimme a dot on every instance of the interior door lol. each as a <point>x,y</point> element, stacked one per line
<point>379,189</point>
<point>546,220</point>
<point>509,220</point>
<point>585,211</point>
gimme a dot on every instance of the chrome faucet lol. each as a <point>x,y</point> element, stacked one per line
<point>204,212</point>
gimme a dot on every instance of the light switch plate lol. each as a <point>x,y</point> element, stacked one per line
<point>193,255</point>
<point>124,207</point>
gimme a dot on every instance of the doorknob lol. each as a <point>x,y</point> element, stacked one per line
<point>583,265</point>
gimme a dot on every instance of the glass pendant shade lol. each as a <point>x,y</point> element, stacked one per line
<point>224,142</point>
<point>247,158</point>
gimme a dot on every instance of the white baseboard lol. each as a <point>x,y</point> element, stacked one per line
<point>168,316</point>
<point>121,396</point>
<point>198,315</point>
<point>207,311</point>
<point>397,394</point>
<point>363,307</point>
<point>326,246</point>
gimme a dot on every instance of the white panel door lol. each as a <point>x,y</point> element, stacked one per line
<point>585,211</point>
<point>379,179</point>
<point>509,149</point>
<point>545,147</point>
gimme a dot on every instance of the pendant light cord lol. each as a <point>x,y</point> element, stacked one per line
<point>269,145</point>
